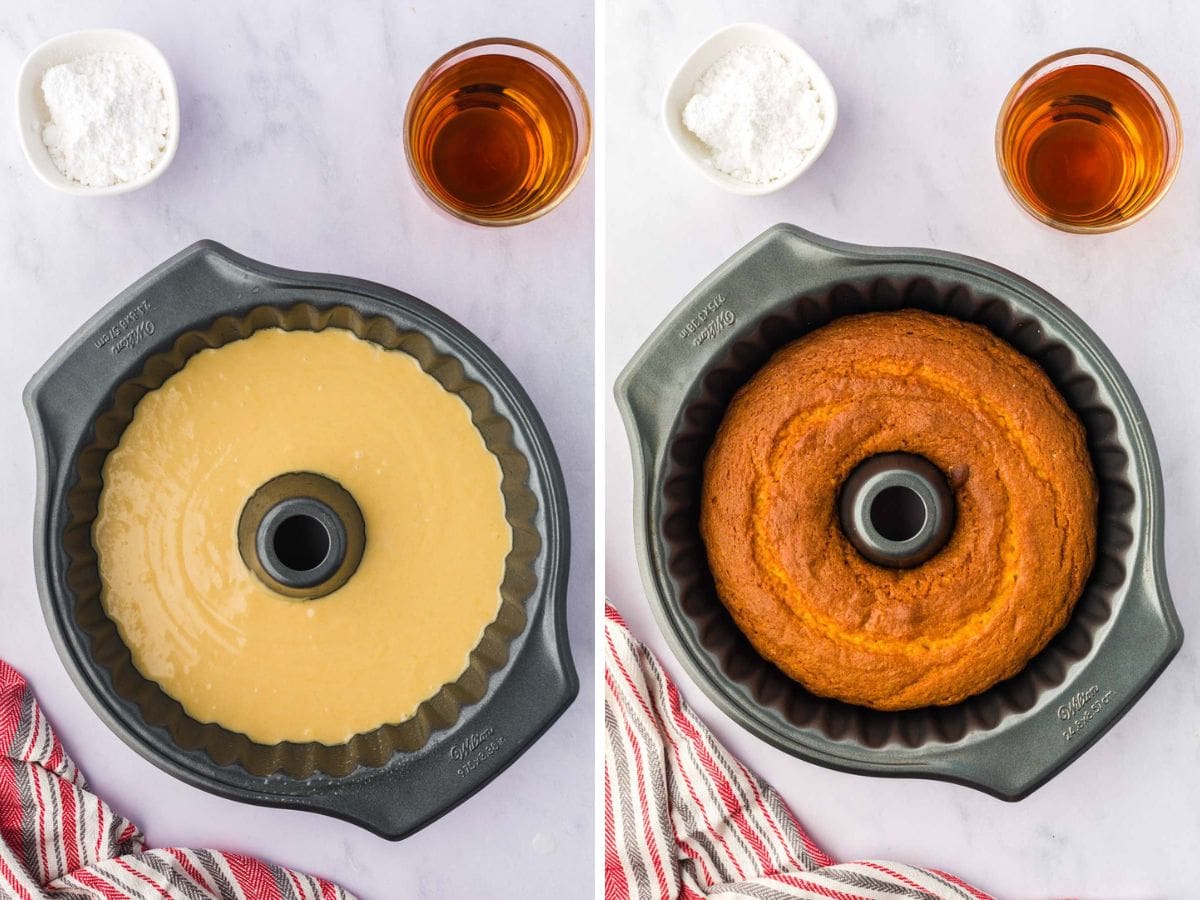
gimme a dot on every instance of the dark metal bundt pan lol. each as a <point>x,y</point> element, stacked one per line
<point>1011,739</point>
<point>399,777</point>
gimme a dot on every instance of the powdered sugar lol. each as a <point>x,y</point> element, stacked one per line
<point>109,118</point>
<point>758,112</point>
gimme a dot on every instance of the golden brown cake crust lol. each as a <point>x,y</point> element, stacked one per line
<point>1016,458</point>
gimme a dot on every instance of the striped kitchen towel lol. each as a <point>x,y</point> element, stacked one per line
<point>684,819</point>
<point>57,840</point>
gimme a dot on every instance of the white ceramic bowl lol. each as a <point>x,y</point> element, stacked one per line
<point>684,83</point>
<point>32,114</point>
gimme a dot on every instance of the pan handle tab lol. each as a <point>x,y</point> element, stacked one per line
<point>538,688</point>
<point>114,345</point>
<point>1144,636</point>
<point>766,275</point>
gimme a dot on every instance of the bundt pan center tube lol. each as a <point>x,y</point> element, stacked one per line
<point>302,535</point>
<point>897,511</point>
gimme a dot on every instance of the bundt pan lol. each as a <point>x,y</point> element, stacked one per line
<point>397,778</point>
<point>1011,739</point>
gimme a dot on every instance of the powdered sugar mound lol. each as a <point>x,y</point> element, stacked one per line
<point>758,112</point>
<point>108,118</point>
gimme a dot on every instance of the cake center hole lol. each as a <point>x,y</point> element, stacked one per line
<point>301,542</point>
<point>898,513</point>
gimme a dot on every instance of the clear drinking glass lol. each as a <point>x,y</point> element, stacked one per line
<point>497,132</point>
<point>1088,140</point>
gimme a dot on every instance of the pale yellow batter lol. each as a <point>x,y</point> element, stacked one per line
<point>202,626</point>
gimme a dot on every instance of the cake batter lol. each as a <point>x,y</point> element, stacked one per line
<point>211,634</point>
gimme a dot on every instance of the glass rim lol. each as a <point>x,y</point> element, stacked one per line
<point>1164,102</point>
<point>557,70</point>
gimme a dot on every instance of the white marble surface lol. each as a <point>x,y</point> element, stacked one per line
<point>291,153</point>
<point>919,85</point>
